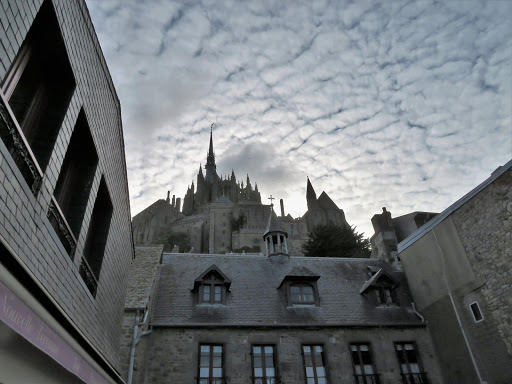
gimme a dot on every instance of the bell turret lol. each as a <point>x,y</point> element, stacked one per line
<point>275,238</point>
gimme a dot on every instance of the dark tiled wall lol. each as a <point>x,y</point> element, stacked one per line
<point>23,217</point>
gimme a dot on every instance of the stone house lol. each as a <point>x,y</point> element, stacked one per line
<point>65,236</point>
<point>459,265</point>
<point>275,318</point>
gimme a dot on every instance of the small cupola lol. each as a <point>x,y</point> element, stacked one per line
<point>275,238</point>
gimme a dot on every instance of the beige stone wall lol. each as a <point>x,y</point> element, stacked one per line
<point>484,225</point>
<point>173,353</point>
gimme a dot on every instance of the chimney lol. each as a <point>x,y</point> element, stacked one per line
<point>174,201</point>
<point>282,207</point>
<point>168,194</point>
<point>178,204</point>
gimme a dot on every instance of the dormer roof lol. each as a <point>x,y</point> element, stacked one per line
<point>215,269</point>
<point>381,278</point>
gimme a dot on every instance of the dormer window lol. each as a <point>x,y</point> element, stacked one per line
<point>381,286</point>
<point>300,288</point>
<point>302,294</point>
<point>383,295</point>
<point>212,286</point>
<point>212,290</point>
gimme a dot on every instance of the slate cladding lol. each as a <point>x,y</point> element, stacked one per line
<point>256,297</point>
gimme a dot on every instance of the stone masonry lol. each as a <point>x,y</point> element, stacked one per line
<point>173,353</point>
<point>484,225</point>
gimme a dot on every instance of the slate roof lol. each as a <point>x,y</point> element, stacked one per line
<point>255,297</point>
<point>274,224</point>
<point>142,275</point>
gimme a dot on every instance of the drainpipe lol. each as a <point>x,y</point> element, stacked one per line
<point>135,340</point>
<point>468,346</point>
<point>416,312</point>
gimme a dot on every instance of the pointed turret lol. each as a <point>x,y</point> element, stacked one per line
<point>200,173</point>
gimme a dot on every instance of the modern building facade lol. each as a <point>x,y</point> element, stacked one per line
<point>65,232</point>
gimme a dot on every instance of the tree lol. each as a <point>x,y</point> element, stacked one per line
<point>332,240</point>
<point>169,239</point>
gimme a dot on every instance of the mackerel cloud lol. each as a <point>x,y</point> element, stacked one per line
<point>397,104</point>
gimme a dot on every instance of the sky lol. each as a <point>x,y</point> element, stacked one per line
<point>397,104</point>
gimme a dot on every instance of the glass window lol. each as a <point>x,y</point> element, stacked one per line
<point>314,364</point>
<point>410,368</point>
<point>213,290</point>
<point>210,364</point>
<point>264,367</point>
<point>362,361</point>
<point>302,294</point>
<point>383,296</point>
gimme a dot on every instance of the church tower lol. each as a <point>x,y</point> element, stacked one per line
<point>211,168</point>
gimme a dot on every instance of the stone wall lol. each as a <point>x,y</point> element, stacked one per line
<point>484,225</point>
<point>173,353</point>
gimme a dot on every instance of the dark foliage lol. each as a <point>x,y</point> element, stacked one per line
<point>331,240</point>
<point>237,223</point>
<point>170,239</point>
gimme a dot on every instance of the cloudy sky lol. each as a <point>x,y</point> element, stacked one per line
<point>400,104</point>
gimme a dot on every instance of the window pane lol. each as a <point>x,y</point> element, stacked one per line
<point>309,372</point>
<point>217,372</point>
<point>368,369</point>
<point>205,349</point>
<point>269,361</point>
<point>258,372</point>
<point>355,357</point>
<point>364,347</point>
<point>414,368</point>
<point>322,380</point>
<point>318,349</point>
<point>320,371</point>
<point>206,293</point>
<point>269,350</point>
<point>358,369</point>
<point>204,372</point>
<point>270,372</point>
<point>311,381</point>
<point>257,362</point>
<point>217,349</point>
<point>258,381</point>
<point>203,381</point>
<point>307,349</point>
<point>205,361</point>
<point>366,357</point>
<point>295,293</point>
<point>217,361</point>
<point>256,350</point>
<point>218,294</point>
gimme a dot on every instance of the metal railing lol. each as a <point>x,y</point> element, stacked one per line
<point>15,141</point>
<point>88,276</point>
<point>62,227</point>
<point>367,379</point>
<point>414,378</point>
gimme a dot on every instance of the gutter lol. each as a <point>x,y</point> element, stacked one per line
<point>287,325</point>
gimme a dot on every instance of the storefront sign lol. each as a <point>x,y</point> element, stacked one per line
<point>17,315</point>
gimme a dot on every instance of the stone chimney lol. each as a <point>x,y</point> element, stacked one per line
<point>384,241</point>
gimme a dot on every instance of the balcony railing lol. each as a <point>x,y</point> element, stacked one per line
<point>88,276</point>
<point>62,228</point>
<point>414,378</point>
<point>367,379</point>
<point>15,141</point>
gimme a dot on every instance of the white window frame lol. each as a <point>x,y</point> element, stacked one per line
<point>479,310</point>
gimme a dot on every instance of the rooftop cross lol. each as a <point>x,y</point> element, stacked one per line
<point>271,202</point>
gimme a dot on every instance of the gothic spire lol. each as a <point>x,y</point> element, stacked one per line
<point>310,192</point>
<point>211,168</point>
<point>210,159</point>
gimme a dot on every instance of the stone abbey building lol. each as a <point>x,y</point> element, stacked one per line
<point>222,214</point>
